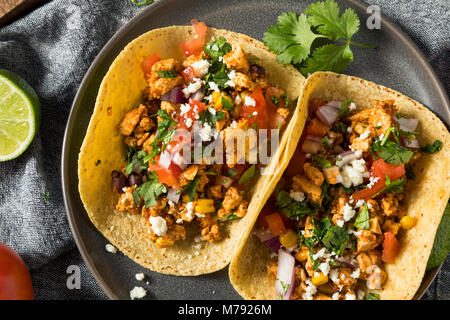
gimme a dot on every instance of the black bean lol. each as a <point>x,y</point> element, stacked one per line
<point>119,181</point>
<point>257,70</point>
<point>134,179</point>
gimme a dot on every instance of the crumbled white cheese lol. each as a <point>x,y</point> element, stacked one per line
<point>335,296</point>
<point>206,133</point>
<point>179,221</point>
<point>349,129</point>
<point>340,223</point>
<point>110,248</point>
<point>381,137</point>
<point>320,254</point>
<point>365,134</point>
<point>231,76</point>
<point>188,123</point>
<point>212,110</point>
<point>348,212</point>
<point>233,124</point>
<point>159,225</point>
<point>255,113</point>
<point>353,174</point>
<point>369,205</point>
<point>200,67</point>
<point>325,267</point>
<point>359,203</point>
<point>249,101</point>
<point>334,275</point>
<point>139,276</point>
<point>297,195</point>
<point>191,88</point>
<point>190,210</point>
<point>352,106</point>
<point>360,294</point>
<point>138,293</point>
<point>310,291</point>
<point>170,203</point>
<point>208,98</point>
<point>214,86</point>
<point>184,108</point>
<point>372,181</point>
<point>355,274</point>
<point>200,215</point>
<point>350,296</point>
<point>238,99</point>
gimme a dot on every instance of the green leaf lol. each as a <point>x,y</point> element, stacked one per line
<point>166,74</point>
<point>441,246</point>
<point>362,221</point>
<point>335,239</point>
<point>325,16</point>
<point>227,104</point>
<point>138,3</point>
<point>274,100</point>
<point>320,162</point>
<point>248,174</point>
<point>207,116</point>
<point>217,48</point>
<point>344,112</point>
<point>191,187</point>
<point>150,190</point>
<point>392,152</point>
<point>329,57</point>
<point>432,148</point>
<point>372,296</point>
<point>46,196</point>
<point>395,186</point>
<point>291,208</point>
<point>291,38</point>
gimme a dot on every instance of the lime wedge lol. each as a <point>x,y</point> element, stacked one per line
<point>19,115</point>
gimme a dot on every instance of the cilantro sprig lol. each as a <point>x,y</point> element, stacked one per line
<point>291,208</point>
<point>294,37</point>
<point>149,190</point>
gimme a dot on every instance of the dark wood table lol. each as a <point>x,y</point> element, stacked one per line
<point>11,10</point>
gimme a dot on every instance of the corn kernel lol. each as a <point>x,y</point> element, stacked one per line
<point>205,206</point>
<point>216,96</point>
<point>288,239</point>
<point>408,222</point>
<point>302,255</point>
<point>319,280</point>
<point>164,243</point>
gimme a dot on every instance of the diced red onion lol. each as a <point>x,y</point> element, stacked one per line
<point>311,144</point>
<point>284,284</point>
<point>263,234</point>
<point>273,244</point>
<point>175,95</point>
<point>345,157</point>
<point>198,95</point>
<point>409,125</point>
<point>173,195</point>
<point>347,262</point>
<point>266,236</point>
<point>410,143</point>
<point>165,159</point>
<point>327,114</point>
<point>179,160</point>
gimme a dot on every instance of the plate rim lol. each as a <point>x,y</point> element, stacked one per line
<point>386,21</point>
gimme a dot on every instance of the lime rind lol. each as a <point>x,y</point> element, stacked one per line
<point>16,85</point>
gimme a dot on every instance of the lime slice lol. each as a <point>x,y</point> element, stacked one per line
<point>19,115</point>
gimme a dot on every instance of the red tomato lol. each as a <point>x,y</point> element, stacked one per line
<point>380,169</point>
<point>167,176</point>
<point>276,224</point>
<point>188,74</point>
<point>317,128</point>
<point>391,247</point>
<point>277,93</point>
<point>148,63</point>
<point>15,280</point>
<point>195,46</point>
<point>260,107</point>
<point>190,116</point>
<point>315,104</point>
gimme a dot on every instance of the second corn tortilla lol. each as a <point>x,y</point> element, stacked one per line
<point>425,197</point>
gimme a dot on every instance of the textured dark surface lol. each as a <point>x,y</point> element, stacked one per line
<point>52,49</point>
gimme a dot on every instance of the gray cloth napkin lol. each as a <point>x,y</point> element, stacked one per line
<point>52,49</point>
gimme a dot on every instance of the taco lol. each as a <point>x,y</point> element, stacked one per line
<point>356,211</point>
<point>137,178</point>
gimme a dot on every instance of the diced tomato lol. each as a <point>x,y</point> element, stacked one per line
<point>315,104</point>
<point>188,74</point>
<point>391,247</point>
<point>278,94</point>
<point>186,121</point>
<point>195,46</point>
<point>167,176</point>
<point>380,169</point>
<point>148,63</point>
<point>317,128</point>
<point>248,111</point>
<point>276,224</point>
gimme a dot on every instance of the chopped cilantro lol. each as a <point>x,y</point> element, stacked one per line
<point>231,173</point>
<point>191,187</point>
<point>227,104</point>
<point>232,217</point>
<point>46,196</point>
<point>320,162</point>
<point>166,74</point>
<point>432,148</point>
<point>274,100</point>
<point>138,3</point>
<point>392,152</point>
<point>207,116</point>
<point>335,239</point>
<point>395,186</point>
<point>326,143</point>
<point>217,48</point>
<point>149,190</point>
<point>362,221</point>
<point>372,296</point>
<point>248,174</point>
<point>344,112</point>
<point>291,208</point>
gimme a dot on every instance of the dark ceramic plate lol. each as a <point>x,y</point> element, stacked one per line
<point>397,63</point>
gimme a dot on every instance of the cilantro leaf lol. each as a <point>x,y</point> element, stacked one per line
<point>206,116</point>
<point>344,112</point>
<point>291,208</point>
<point>325,16</point>
<point>395,186</point>
<point>191,187</point>
<point>291,38</point>
<point>166,74</point>
<point>432,148</point>
<point>217,48</point>
<point>392,152</point>
<point>335,239</point>
<point>362,221</point>
<point>150,190</point>
<point>248,174</point>
<point>329,57</point>
<point>372,296</point>
<point>138,3</point>
<point>320,162</point>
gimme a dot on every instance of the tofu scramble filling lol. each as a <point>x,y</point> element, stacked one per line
<point>218,87</point>
<point>335,216</point>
